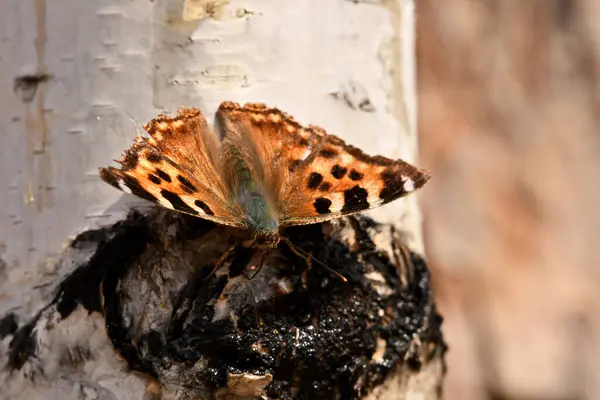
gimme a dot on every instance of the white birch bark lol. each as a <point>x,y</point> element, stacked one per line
<point>79,78</point>
<point>107,65</point>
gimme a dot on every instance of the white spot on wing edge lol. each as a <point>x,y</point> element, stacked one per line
<point>164,202</point>
<point>156,192</point>
<point>409,184</point>
<point>123,187</point>
<point>373,189</point>
<point>346,159</point>
<point>373,200</point>
<point>337,201</point>
<point>306,153</point>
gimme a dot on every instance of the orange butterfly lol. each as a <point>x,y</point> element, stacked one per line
<point>267,172</point>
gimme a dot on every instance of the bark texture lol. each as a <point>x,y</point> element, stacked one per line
<point>78,79</point>
<point>281,331</point>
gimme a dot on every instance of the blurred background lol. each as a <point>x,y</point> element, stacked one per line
<point>508,109</point>
<point>508,96</point>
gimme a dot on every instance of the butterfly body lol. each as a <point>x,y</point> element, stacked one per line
<point>260,216</point>
<point>265,173</point>
<point>262,221</point>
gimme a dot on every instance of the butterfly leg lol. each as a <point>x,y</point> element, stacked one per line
<point>307,261</point>
<point>222,259</point>
<point>261,261</point>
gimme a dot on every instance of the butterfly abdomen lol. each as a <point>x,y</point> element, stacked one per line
<point>250,194</point>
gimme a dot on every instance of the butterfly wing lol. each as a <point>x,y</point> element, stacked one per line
<point>176,167</point>
<point>340,179</point>
<point>314,177</point>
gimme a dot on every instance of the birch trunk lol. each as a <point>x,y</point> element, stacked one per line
<point>78,79</point>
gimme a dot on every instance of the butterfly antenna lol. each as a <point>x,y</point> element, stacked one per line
<point>253,296</point>
<point>221,261</point>
<point>303,254</point>
<point>260,265</point>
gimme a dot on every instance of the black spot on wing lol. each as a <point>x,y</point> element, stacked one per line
<point>177,203</point>
<point>338,172</point>
<point>314,180</point>
<point>186,185</point>
<point>153,158</point>
<point>325,186</point>
<point>137,190</point>
<point>393,186</point>
<point>322,205</point>
<point>154,179</point>
<point>355,199</point>
<point>204,207</point>
<point>355,175</point>
<point>328,152</point>
<point>304,142</point>
<point>163,175</point>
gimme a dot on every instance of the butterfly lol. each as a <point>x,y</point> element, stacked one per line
<point>264,171</point>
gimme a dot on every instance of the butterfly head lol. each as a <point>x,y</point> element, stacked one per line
<point>265,240</point>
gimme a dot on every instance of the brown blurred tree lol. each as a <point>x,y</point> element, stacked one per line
<point>509,120</point>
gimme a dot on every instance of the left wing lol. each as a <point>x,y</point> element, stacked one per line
<point>176,167</point>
